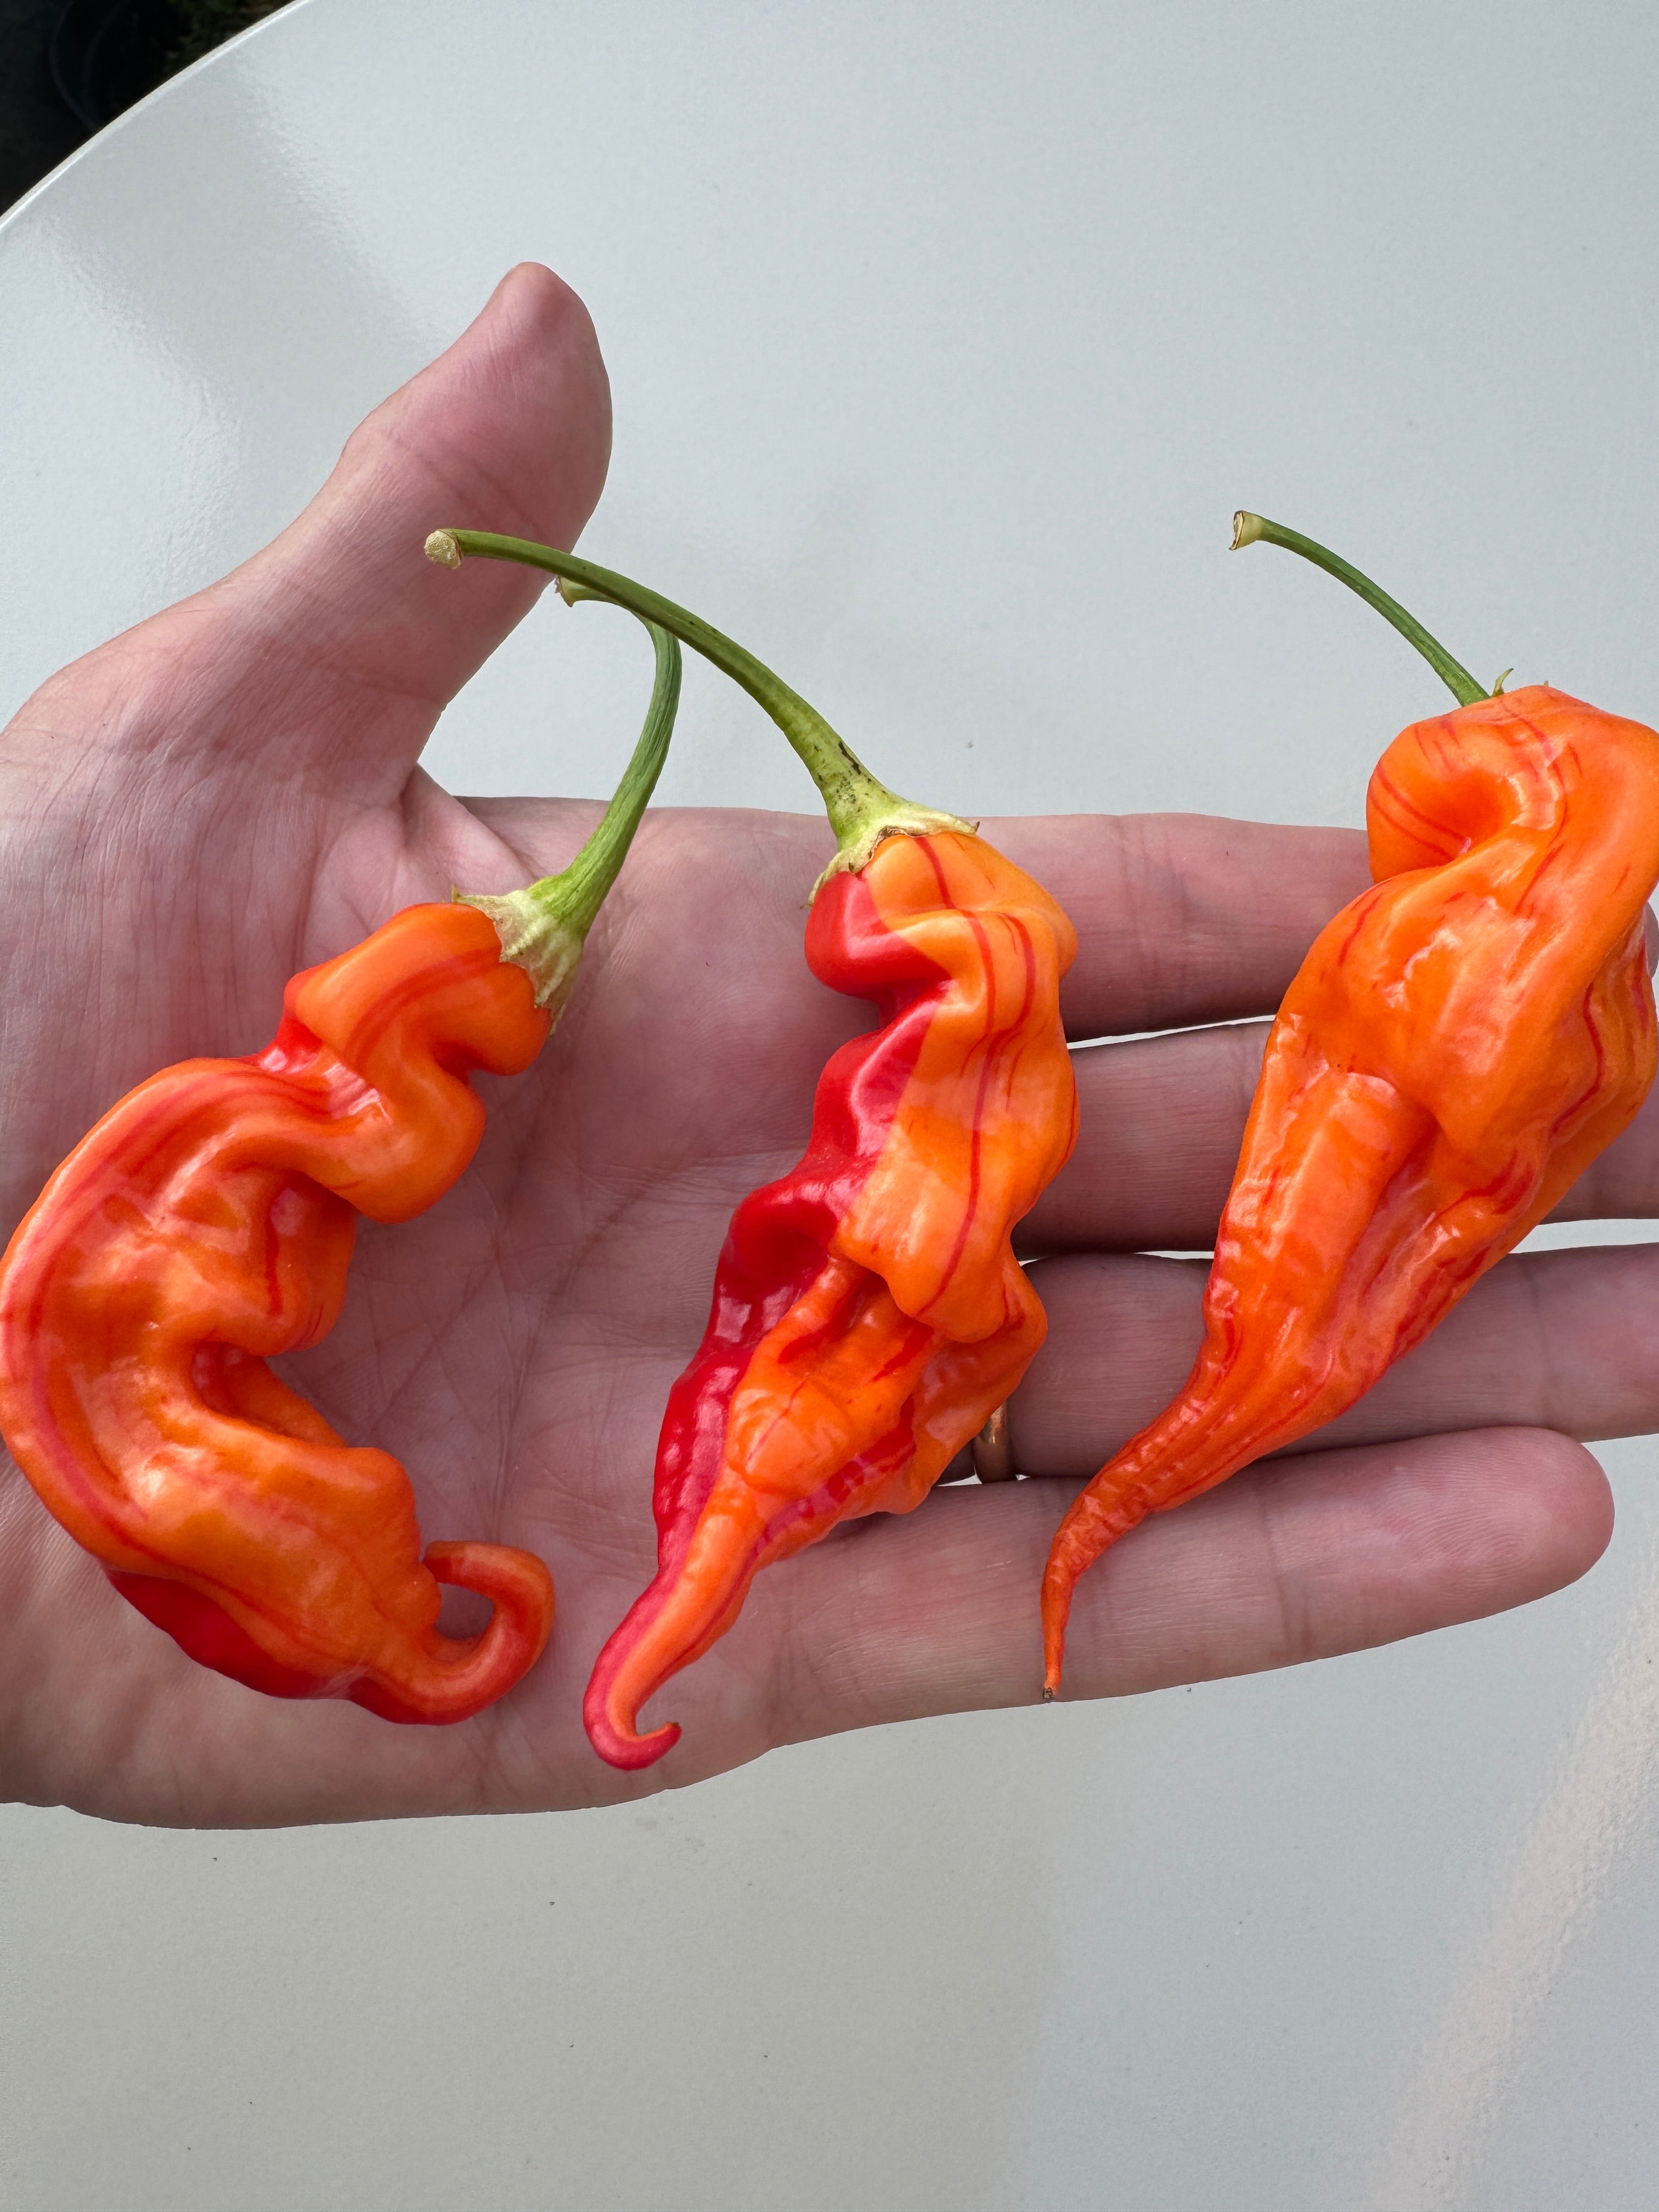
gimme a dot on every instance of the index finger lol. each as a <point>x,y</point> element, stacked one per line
<point>1182,918</point>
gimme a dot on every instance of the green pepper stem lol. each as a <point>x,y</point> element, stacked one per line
<point>860,807</point>
<point>1247,528</point>
<point>544,928</point>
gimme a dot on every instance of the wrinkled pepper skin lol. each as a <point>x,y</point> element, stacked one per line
<point>207,1223</point>
<point>868,1313</point>
<point>1458,1045</point>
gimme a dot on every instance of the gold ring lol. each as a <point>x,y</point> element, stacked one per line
<point>993,1450</point>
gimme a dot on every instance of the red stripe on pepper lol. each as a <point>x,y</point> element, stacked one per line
<point>868,1312</point>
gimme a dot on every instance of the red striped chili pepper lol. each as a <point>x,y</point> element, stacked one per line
<point>206,1223</point>
<point>868,1312</point>
<point>1458,1046</point>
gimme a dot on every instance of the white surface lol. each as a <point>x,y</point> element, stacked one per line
<point>942,340</point>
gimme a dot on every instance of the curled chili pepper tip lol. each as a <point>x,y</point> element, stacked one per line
<point>441,548</point>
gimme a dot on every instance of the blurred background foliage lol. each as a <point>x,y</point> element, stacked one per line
<point>66,67</point>
<point>204,24</point>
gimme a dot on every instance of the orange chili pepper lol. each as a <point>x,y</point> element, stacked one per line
<point>206,1223</point>
<point>869,1315</point>
<point>868,1312</point>
<point>1458,1046</point>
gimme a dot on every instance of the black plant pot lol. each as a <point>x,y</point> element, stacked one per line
<point>106,54</point>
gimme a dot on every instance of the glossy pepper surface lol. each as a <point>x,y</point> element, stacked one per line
<point>1459,1043</point>
<point>206,1223</point>
<point>869,1315</point>
<point>868,1311</point>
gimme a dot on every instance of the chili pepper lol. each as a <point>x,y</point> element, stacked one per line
<point>206,1223</point>
<point>1458,1046</point>
<point>868,1311</point>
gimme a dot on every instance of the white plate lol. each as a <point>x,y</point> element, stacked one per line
<point>943,341</point>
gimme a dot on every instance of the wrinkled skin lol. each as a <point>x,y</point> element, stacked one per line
<point>231,791</point>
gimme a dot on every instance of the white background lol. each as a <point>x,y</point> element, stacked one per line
<point>943,340</point>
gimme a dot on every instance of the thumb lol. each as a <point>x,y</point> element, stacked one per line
<point>340,643</point>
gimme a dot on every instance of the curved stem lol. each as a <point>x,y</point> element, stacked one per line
<point>577,894</point>
<point>862,810</point>
<point>1247,528</point>
<point>544,928</point>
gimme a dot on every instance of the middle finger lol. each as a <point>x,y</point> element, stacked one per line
<point>1162,1121</point>
<point>1549,1340</point>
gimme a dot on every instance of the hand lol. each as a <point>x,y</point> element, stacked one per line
<point>231,791</point>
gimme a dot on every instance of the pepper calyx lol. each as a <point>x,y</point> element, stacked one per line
<point>876,822</point>
<point>534,937</point>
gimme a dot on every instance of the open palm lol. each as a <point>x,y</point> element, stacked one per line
<point>230,792</point>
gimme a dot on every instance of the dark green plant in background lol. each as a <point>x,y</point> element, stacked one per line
<point>205,24</point>
<point>66,67</point>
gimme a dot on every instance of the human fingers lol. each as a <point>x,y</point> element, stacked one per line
<point>1559,1339</point>
<point>1298,1559</point>
<point>1161,1119</point>
<point>513,420</point>
<point>1624,1182</point>
<point>1159,1125</point>
<point>1182,918</point>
